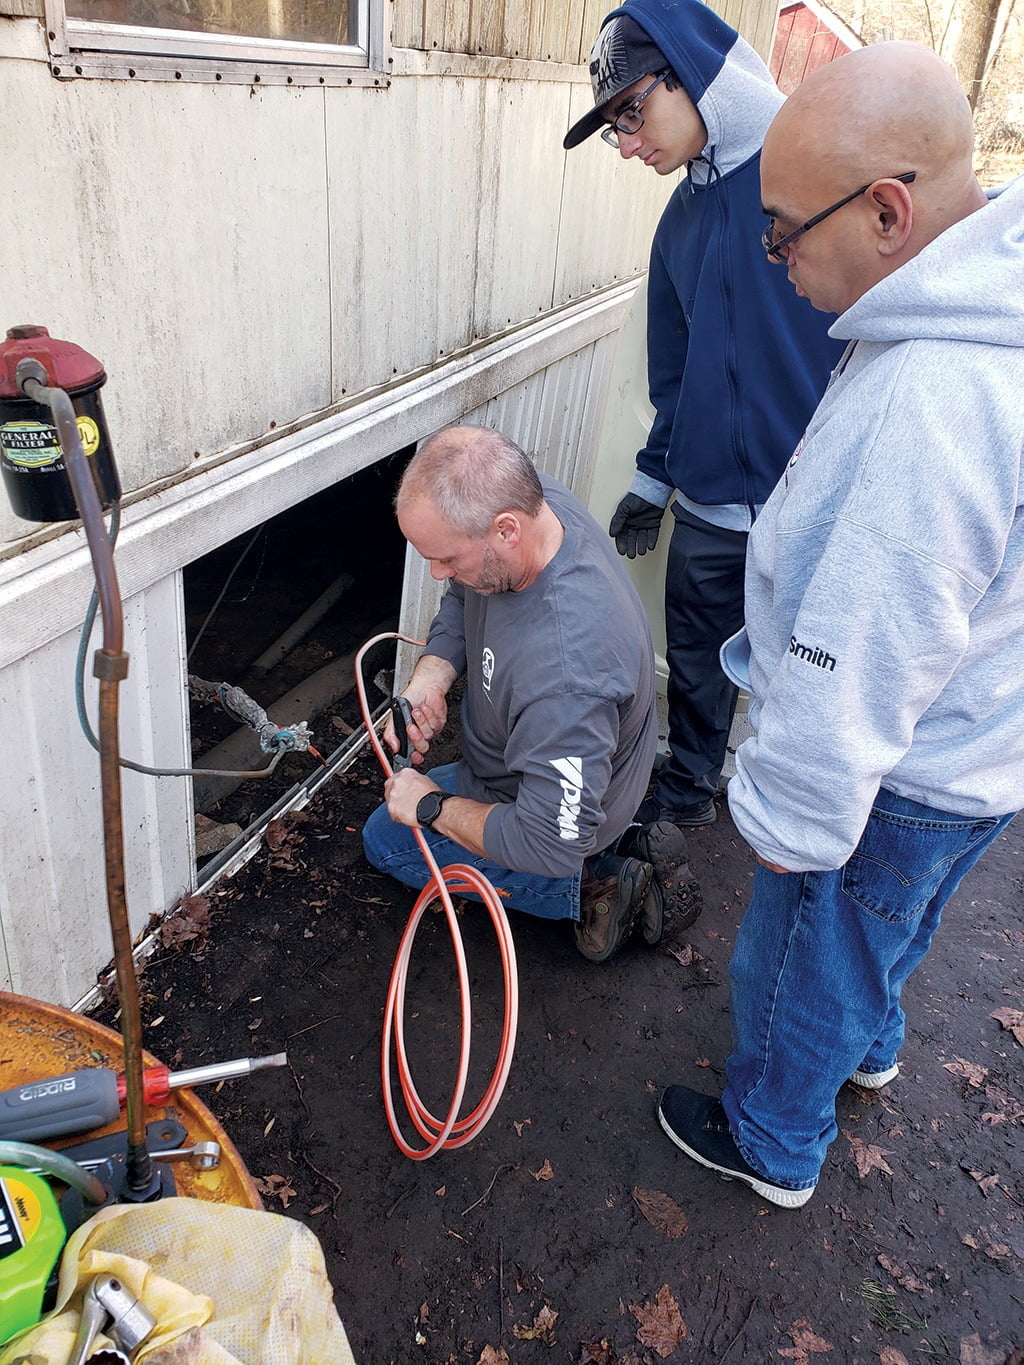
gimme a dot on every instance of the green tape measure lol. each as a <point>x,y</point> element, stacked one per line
<point>32,1234</point>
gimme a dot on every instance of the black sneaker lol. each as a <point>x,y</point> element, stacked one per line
<point>663,845</point>
<point>700,813</point>
<point>698,1126</point>
<point>612,895</point>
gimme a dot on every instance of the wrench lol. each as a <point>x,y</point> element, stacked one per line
<point>202,1156</point>
<point>94,1320</point>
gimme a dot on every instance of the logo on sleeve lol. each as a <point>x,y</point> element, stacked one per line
<point>487,668</point>
<point>570,777</point>
<point>812,654</point>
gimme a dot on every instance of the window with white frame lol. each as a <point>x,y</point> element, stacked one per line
<point>293,42</point>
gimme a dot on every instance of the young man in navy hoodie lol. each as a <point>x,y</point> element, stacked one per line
<point>736,362</point>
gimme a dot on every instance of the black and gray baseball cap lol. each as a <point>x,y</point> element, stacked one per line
<point>621,55</point>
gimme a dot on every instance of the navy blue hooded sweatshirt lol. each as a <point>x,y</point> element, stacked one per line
<point>736,359</point>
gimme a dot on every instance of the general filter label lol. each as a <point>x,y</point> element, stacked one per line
<point>29,444</point>
<point>20,1213</point>
<point>33,444</point>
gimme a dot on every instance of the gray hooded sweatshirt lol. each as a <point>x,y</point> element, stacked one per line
<point>885,576</point>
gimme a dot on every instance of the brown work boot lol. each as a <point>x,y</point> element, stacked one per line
<point>612,896</point>
<point>663,845</point>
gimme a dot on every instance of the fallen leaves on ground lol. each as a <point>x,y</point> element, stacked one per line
<point>1012,1020</point>
<point>805,1343</point>
<point>889,1355</point>
<point>902,1276</point>
<point>998,1252</point>
<point>546,1172</point>
<point>490,1356</point>
<point>867,1157</point>
<point>276,1187</point>
<point>597,1353</point>
<point>661,1324</point>
<point>188,923</point>
<point>283,841</point>
<point>543,1328</point>
<point>685,956</point>
<point>661,1211</point>
<point>973,1351</point>
<point>1006,1109</point>
<point>970,1072</point>
<point>986,1183</point>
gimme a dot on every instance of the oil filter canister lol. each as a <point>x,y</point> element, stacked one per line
<point>31,456</point>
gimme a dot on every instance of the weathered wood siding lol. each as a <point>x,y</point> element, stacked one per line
<point>542,30</point>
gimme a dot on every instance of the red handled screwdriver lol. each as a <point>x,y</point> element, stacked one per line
<point>88,1099</point>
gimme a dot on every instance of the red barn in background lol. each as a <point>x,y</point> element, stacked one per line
<point>807,36</point>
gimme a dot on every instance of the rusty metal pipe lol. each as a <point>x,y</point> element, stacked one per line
<point>110,666</point>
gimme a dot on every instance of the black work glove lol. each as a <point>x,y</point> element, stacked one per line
<point>635,525</point>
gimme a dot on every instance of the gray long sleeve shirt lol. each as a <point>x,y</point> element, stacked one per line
<point>558,713</point>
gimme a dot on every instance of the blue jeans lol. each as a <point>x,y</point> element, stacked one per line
<point>819,964</point>
<point>393,849</point>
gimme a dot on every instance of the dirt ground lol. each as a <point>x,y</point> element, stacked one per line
<point>570,1229</point>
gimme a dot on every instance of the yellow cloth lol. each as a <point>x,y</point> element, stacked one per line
<point>227,1286</point>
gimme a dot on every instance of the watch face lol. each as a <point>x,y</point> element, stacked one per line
<point>429,808</point>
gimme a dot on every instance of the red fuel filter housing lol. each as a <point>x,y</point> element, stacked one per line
<point>31,456</point>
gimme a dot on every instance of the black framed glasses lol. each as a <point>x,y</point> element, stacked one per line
<point>777,248</point>
<point>630,119</point>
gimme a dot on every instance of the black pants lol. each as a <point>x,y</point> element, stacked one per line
<point>703,607</point>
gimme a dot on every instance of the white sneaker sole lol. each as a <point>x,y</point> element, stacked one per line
<point>875,1080</point>
<point>775,1194</point>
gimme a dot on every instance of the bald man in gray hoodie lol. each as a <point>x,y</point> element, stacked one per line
<point>884,596</point>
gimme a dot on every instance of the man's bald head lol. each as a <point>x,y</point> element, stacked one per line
<point>873,114</point>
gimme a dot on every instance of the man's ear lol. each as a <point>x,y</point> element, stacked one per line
<point>893,211</point>
<point>507,529</point>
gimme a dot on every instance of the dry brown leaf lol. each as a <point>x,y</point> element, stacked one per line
<point>545,1173</point>
<point>967,1071</point>
<point>902,1276</point>
<point>686,956</point>
<point>661,1324</point>
<point>423,1314</point>
<point>189,922</point>
<point>986,1183</point>
<point>805,1342</point>
<point>490,1356</point>
<point>983,1242</point>
<point>661,1211</point>
<point>543,1328</point>
<point>973,1351</point>
<point>520,1126</point>
<point>867,1157</point>
<point>597,1353</point>
<point>1013,1020</point>
<point>889,1355</point>
<point>276,1187</point>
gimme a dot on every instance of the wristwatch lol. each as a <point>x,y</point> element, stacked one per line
<point>428,808</point>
